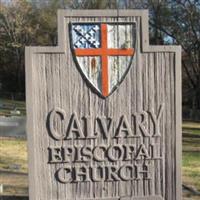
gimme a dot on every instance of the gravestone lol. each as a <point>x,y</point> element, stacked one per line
<point>104,111</point>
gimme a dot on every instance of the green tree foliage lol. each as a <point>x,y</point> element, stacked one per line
<point>174,22</point>
<point>178,22</point>
<point>47,20</point>
<point>17,29</point>
<point>184,28</point>
<point>23,24</point>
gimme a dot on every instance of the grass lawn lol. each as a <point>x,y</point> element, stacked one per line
<point>13,162</point>
<point>13,166</point>
<point>13,155</point>
<point>191,156</point>
<point>191,169</point>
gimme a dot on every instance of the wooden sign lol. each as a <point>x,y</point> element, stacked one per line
<point>104,111</point>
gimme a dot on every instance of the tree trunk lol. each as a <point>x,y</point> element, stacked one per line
<point>195,115</point>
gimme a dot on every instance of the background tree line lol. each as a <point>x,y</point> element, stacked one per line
<point>34,22</point>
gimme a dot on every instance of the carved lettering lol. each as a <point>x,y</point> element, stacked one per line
<point>140,121</point>
<point>125,172</point>
<point>57,135</point>
<point>99,153</point>
<point>108,145</point>
<point>64,175</point>
<point>156,120</point>
<point>81,174</point>
<point>112,173</point>
<point>142,171</point>
<point>102,153</point>
<point>87,127</point>
<point>55,155</point>
<point>74,128</point>
<point>123,128</point>
<point>105,126</point>
<point>86,153</point>
<point>155,151</point>
<point>97,174</point>
<point>68,154</point>
<point>129,152</point>
<point>142,152</point>
<point>115,152</point>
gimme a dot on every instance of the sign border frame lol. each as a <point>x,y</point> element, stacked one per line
<point>60,48</point>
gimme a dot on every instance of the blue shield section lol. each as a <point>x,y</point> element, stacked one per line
<point>86,36</point>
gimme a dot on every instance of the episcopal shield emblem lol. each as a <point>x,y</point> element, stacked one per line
<point>103,53</point>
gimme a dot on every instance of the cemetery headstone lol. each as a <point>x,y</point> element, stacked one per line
<point>104,111</point>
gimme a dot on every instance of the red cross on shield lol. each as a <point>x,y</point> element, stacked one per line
<point>103,52</point>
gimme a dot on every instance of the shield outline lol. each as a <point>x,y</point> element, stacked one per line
<point>88,82</point>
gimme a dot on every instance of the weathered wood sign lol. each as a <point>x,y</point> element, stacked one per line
<point>104,111</point>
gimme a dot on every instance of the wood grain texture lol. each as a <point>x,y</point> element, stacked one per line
<point>53,80</point>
